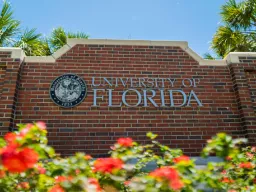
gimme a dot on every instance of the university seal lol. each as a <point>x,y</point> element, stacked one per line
<point>68,90</point>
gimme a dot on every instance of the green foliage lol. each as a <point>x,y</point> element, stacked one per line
<point>208,56</point>
<point>59,36</point>
<point>125,169</point>
<point>223,146</point>
<point>9,27</point>
<point>237,33</point>
<point>32,43</point>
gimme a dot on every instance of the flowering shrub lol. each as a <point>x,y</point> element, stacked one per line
<point>27,163</point>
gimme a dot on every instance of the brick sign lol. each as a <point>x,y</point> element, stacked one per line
<point>125,89</point>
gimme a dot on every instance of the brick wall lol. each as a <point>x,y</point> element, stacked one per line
<point>9,83</point>
<point>251,77</point>
<point>243,75</point>
<point>2,75</point>
<point>93,129</point>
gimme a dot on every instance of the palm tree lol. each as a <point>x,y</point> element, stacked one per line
<point>59,36</point>
<point>208,56</point>
<point>12,36</point>
<point>32,43</point>
<point>9,27</point>
<point>238,32</point>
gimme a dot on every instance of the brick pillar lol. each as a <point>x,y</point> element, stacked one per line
<point>10,65</point>
<point>243,69</point>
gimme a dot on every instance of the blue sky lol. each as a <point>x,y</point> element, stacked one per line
<point>194,21</point>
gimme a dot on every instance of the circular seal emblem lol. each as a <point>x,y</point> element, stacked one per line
<point>68,90</point>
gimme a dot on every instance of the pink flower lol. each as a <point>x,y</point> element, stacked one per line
<point>25,130</point>
<point>41,169</point>
<point>224,172</point>
<point>41,125</point>
<point>249,155</point>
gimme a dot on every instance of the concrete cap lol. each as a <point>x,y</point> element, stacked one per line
<point>229,59</point>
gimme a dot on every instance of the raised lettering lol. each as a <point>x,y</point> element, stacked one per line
<point>95,97</point>
<point>146,98</point>
<point>124,97</point>
<point>192,93</point>
<point>172,100</point>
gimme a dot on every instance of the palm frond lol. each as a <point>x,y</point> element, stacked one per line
<point>228,40</point>
<point>32,43</point>
<point>59,37</point>
<point>208,56</point>
<point>9,27</point>
<point>78,35</point>
<point>7,34</point>
<point>239,15</point>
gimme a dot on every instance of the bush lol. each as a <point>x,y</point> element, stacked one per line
<point>29,164</point>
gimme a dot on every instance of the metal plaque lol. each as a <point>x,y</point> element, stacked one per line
<point>68,90</point>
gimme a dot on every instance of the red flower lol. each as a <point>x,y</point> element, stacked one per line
<point>24,185</point>
<point>246,165</point>
<point>59,179</point>
<point>10,138</point>
<point>228,158</point>
<point>182,158</point>
<point>169,174</point>
<point>107,165</point>
<point>125,142</point>
<point>87,157</point>
<point>11,160</point>
<point>94,184</point>
<point>2,174</point>
<point>18,161</point>
<point>29,157</point>
<point>56,188</point>
<point>176,184</point>
<point>41,125</point>
<point>77,171</point>
<point>227,180</point>
<point>165,173</point>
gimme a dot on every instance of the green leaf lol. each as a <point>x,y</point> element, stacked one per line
<point>2,142</point>
<point>151,135</point>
